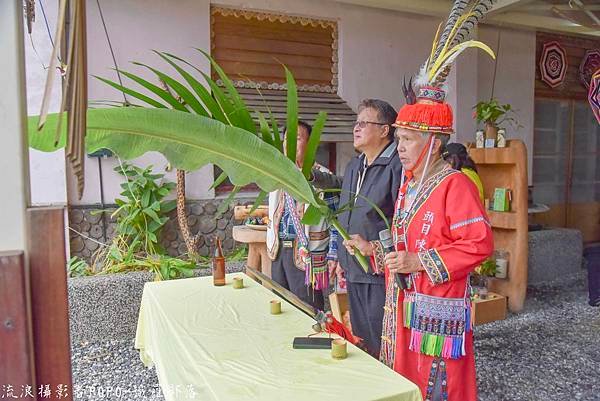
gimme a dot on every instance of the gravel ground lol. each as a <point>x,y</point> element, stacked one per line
<point>551,351</point>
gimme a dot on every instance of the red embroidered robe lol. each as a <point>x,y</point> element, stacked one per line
<point>449,230</point>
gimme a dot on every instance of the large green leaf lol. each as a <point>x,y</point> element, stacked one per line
<point>188,141</point>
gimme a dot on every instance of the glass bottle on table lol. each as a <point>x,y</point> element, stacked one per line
<point>218,264</point>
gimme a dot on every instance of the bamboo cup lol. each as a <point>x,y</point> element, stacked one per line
<point>275,307</point>
<point>339,349</point>
<point>238,283</point>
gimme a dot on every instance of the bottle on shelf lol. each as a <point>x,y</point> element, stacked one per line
<point>502,258</point>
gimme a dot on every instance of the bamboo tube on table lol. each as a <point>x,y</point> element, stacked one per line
<point>339,349</point>
<point>275,307</point>
<point>238,283</point>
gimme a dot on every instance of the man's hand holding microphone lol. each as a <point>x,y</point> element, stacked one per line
<point>400,263</point>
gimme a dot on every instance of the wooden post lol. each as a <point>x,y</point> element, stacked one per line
<point>16,349</point>
<point>49,299</point>
<point>16,357</point>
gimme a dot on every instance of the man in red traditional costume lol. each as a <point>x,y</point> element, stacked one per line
<point>441,233</point>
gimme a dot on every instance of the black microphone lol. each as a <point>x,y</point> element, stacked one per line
<point>388,246</point>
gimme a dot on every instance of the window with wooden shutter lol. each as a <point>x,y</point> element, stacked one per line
<point>252,48</point>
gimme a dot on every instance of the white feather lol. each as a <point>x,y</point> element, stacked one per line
<point>422,77</point>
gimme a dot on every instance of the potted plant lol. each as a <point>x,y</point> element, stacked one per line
<point>492,114</point>
<point>482,272</point>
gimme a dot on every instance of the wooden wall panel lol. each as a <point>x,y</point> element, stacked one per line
<point>251,46</point>
<point>49,301</point>
<point>291,60</point>
<point>16,354</point>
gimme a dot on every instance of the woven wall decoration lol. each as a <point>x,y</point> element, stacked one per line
<point>553,64</point>
<point>594,94</point>
<point>590,63</point>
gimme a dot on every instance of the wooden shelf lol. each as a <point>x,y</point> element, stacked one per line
<point>493,156</point>
<point>507,168</point>
<point>505,220</point>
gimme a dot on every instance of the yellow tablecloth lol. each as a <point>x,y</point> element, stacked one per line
<point>218,343</point>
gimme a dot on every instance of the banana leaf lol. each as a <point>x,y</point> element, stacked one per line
<point>188,141</point>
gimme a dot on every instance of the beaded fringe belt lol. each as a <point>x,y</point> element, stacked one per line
<point>437,325</point>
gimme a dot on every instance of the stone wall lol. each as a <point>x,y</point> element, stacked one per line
<point>202,217</point>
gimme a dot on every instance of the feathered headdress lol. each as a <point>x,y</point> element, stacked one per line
<point>429,112</point>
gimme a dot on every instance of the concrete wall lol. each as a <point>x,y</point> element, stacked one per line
<point>135,29</point>
<point>48,185</point>
<point>376,49</point>
<point>515,79</point>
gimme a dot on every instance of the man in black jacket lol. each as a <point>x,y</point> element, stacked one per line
<point>374,174</point>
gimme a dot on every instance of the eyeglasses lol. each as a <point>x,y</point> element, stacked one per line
<point>363,124</point>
